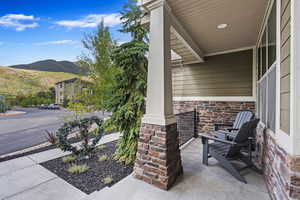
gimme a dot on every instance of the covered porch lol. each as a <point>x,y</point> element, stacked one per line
<point>216,58</point>
<point>197,182</point>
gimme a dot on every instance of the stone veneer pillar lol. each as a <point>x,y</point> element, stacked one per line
<point>158,159</point>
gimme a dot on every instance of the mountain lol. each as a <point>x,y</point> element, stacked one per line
<point>50,66</point>
<point>16,81</point>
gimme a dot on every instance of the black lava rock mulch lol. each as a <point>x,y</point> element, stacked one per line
<point>92,179</point>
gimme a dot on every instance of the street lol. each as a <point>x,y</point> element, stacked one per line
<point>27,130</point>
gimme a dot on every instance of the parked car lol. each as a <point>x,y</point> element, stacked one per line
<point>50,106</point>
<point>53,107</point>
<point>43,106</point>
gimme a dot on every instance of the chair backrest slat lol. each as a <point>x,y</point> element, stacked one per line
<point>247,130</point>
<point>241,118</point>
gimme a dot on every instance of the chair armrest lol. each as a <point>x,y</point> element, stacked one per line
<point>207,137</point>
<point>218,125</point>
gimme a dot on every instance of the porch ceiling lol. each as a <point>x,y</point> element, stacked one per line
<point>201,17</point>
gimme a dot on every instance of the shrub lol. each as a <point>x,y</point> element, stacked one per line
<point>68,159</point>
<point>51,137</point>
<point>3,107</point>
<point>78,169</point>
<point>107,180</point>
<point>83,126</point>
<point>102,158</point>
<point>101,147</point>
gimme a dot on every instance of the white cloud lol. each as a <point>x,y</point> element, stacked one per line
<point>92,20</point>
<point>57,42</point>
<point>17,21</point>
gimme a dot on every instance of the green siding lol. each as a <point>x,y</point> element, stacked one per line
<point>285,66</point>
<point>221,75</point>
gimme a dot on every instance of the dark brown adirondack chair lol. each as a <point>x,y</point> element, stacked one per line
<point>226,151</point>
<point>232,129</point>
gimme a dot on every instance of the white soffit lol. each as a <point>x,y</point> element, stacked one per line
<point>202,17</point>
<point>181,42</point>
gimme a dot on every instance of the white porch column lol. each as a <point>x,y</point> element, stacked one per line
<point>159,105</point>
<point>158,160</point>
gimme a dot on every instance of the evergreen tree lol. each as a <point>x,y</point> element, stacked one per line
<point>127,97</point>
<point>119,74</point>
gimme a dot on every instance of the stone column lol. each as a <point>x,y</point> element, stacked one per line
<point>158,158</point>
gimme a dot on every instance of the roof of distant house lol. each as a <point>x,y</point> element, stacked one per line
<point>68,81</point>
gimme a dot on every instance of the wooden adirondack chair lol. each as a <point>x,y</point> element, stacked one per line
<point>231,132</point>
<point>226,151</point>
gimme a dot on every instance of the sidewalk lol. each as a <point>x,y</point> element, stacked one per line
<point>23,178</point>
<point>11,113</point>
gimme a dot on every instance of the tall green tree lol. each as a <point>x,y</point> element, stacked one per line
<point>126,100</point>
<point>119,74</point>
<point>99,63</point>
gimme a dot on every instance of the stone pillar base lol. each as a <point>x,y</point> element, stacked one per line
<point>158,159</point>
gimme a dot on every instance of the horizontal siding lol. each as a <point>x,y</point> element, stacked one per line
<point>286,15</point>
<point>284,118</point>
<point>285,33</point>
<point>284,98</point>
<point>285,49</point>
<point>285,84</point>
<point>221,75</point>
<point>285,77</point>
<point>285,67</point>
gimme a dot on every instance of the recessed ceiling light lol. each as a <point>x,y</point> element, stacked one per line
<point>222,26</point>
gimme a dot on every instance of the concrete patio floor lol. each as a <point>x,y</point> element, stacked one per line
<point>198,182</point>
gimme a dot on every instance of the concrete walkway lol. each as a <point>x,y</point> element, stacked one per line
<point>198,182</point>
<point>23,178</point>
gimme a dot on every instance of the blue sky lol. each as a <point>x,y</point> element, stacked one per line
<point>32,30</point>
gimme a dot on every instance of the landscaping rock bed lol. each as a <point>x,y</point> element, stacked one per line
<point>97,174</point>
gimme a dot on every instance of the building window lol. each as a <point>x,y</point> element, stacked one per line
<point>272,37</point>
<point>264,53</point>
<point>259,63</point>
<point>267,99</point>
<point>266,73</point>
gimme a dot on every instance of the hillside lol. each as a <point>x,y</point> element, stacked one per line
<point>50,66</point>
<point>15,81</point>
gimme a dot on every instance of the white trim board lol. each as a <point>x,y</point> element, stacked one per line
<point>229,51</point>
<point>229,98</point>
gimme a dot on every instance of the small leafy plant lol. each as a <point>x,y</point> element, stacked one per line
<point>85,130</point>
<point>107,180</point>
<point>78,169</point>
<point>51,137</point>
<point>101,147</point>
<point>68,159</point>
<point>102,158</point>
